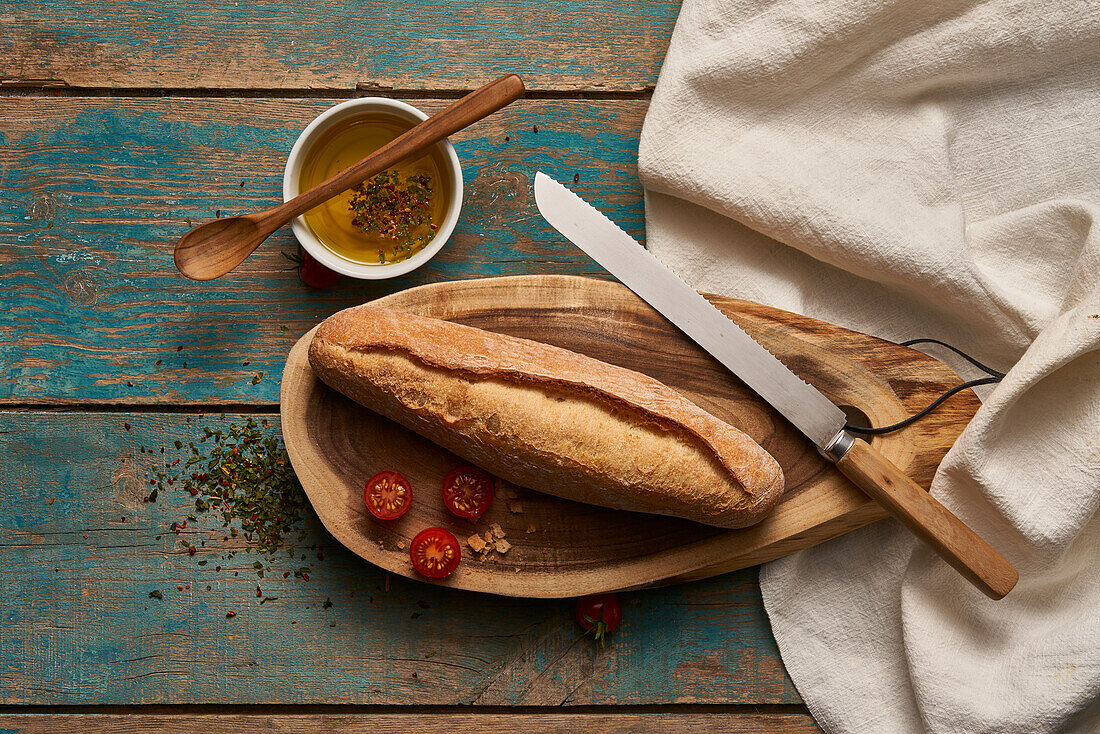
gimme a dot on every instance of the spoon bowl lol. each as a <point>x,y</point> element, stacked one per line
<point>212,249</point>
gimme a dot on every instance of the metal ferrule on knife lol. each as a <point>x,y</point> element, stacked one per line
<point>839,445</point>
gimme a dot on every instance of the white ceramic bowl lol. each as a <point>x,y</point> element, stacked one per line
<point>325,256</point>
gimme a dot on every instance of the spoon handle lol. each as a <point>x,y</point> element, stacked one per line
<point>464,112</point>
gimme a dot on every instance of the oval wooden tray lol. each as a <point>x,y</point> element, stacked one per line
<point>574,549</point>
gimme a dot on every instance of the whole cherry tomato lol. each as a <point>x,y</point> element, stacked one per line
<point>314,274</point>
<point>599,614</point>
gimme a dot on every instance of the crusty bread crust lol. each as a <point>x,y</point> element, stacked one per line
<point>548,418</point>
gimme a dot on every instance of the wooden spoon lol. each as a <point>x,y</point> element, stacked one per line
<point>211,250</point>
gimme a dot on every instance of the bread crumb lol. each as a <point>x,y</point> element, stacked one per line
<point>475,542</point>
<point>503,546</point>
<point>401,544</point>
<point>531,528</point>
<point>498,532</point>
<point>514,506</point>
<point>506,488</point>
<point>488,537</point>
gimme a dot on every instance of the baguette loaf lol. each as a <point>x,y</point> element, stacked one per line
<point>547,418</point>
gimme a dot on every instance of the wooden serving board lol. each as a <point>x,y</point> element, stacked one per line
<point>575,549</point>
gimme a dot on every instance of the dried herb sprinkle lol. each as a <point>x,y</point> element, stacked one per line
<point>242,477</point>
<point>395,210</point>
<point>246,478</point>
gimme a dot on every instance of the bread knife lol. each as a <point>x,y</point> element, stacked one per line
<point>801,403</point>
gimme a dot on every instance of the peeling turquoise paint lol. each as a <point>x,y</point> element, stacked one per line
<point>338,43</point>
<point>79,626</point>
<point>92,302</point>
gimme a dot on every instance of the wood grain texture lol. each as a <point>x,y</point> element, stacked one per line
<point>95,193</point>
<point>580,549</point>
<point>396,723</point>
<point>334,44</point>
<point>77,625</point>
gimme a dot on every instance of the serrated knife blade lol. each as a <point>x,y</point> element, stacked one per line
<point>640,271</point>
<point>801,403</point>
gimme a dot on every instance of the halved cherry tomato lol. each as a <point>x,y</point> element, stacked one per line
<point>388,495</point>
<point>468,492</point>
<point>435,553</point>
<point>599,614</point>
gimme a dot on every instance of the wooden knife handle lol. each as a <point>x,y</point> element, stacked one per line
<point>935,524</point>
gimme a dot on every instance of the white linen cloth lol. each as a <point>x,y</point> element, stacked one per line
<point>908,169</point>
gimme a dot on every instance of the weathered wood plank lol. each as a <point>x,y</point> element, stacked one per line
<point>94,193</point>
<point>390,723</point>
<point>80,551</point>
<point>334,44</point>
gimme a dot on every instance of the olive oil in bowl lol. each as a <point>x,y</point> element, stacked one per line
<point>386,219</point>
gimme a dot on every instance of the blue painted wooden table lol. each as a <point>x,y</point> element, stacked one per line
<point>120,125</point>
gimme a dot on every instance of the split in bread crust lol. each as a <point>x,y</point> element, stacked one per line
<point>548,418</point>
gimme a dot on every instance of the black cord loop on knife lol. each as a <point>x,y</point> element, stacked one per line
<point>964,355</point>
<point>994,376</point>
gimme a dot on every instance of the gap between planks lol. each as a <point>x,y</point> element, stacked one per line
<point>171,409</point>
<point>48,89</point>
<point>256,709</point>
<point>382,720</point>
